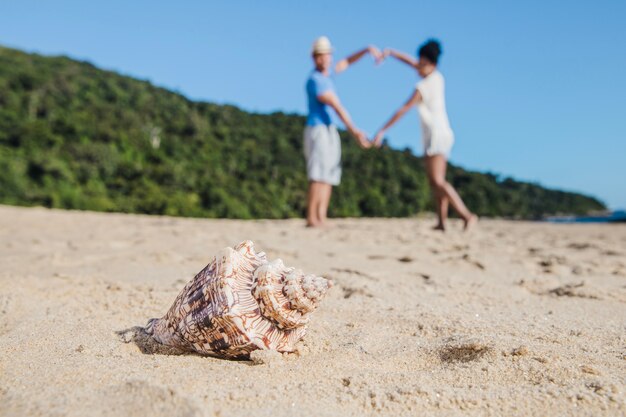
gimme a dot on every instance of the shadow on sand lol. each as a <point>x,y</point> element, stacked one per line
<point>147,344</point>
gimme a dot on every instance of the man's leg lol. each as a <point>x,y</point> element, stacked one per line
<point>326,193</point>
<point>313,203</point>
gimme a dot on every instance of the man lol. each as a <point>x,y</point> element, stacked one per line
<point>322,146</point>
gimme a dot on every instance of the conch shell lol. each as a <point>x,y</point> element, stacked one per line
<point>238,303</point>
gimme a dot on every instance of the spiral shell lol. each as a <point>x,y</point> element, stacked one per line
<point>238,303</point>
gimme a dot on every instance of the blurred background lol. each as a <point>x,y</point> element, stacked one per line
<point>535,91</point>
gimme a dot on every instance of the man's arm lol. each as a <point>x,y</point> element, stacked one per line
<point>415,98</point>
<point>346,62</point>
<point>401,56</point>
<point>331,99</point>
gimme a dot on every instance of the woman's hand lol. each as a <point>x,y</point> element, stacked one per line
<point>400,56</point>
<point>378,139</point>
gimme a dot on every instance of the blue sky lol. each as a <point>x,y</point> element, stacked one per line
<point>535,90</point>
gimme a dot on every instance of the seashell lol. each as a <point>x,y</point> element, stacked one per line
<point>238,303</point>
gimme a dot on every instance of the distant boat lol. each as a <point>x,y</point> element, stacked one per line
<point>617,216</point>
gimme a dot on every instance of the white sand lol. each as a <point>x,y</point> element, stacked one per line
<point>516,318</point>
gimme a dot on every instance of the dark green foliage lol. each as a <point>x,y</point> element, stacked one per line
<point>74,136</point>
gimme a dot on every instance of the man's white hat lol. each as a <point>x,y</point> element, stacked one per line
<point>322,46</point>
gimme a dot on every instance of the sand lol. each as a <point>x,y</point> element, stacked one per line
<point>516,318</point>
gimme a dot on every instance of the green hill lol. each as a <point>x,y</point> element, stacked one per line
<point>74,136</point>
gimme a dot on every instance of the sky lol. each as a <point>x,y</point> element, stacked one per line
<point>535,90</point>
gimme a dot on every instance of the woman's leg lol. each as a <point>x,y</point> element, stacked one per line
<point>444,202</point>
<point>436,168</point>
<point>442,211</point>
<point>441,200</point>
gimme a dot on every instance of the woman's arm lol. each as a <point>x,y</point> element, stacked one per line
<point>415,98</point>
<point>400,56</point>
<point>346,62</point>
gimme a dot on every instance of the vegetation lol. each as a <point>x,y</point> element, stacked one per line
<point>77,137</point>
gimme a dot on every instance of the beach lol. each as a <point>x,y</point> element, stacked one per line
<point>514,318</point>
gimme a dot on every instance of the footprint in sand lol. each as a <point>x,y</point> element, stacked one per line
<point>350,291</point>
<point>552,260</point>
<point>553,264</point>
<point>460,349</point>
<point>425,277</point>
<point>355,272</point>
<point>344,277</point>
<point>579,290</point>
<point>573,290</point>
<point>580,245</point>
<point>610,252</point>
<point>474,262</point>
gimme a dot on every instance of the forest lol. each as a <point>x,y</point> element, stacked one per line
<point>74,136</point>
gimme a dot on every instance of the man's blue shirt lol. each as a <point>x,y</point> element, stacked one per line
<point>319,113</point>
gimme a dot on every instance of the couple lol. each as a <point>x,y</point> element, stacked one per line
<point>322,147</point>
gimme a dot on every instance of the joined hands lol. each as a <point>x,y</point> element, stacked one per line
<point>378,56</point>
<point>378,139</point>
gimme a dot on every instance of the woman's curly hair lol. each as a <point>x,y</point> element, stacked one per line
<point>431,50</point>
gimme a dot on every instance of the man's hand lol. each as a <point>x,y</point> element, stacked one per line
<point>361,138</point>
<point>343,64</point>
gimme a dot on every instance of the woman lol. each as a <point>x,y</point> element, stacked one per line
<point>437,136</point>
